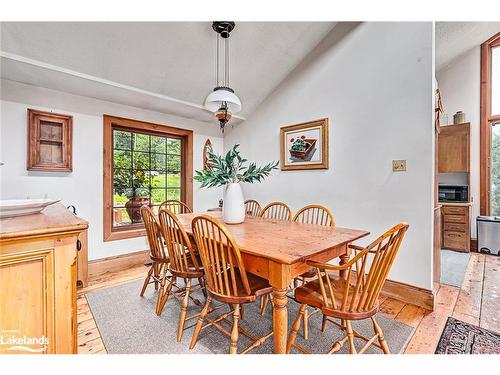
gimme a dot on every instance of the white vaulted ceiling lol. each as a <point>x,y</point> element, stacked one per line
<point>455,38</point>
<point>164,66</point>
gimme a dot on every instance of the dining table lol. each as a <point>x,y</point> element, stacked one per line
<point>278,251</point>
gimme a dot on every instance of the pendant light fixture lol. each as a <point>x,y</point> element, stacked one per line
<point>222,101</point>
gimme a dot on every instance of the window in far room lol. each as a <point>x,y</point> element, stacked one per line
<point>490,127</point>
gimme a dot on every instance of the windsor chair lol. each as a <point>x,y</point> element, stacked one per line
<point>276,211</point>
<point>252,207</point>
<point>175,206</point>
<point>226,281</point>
<point>353,295</point>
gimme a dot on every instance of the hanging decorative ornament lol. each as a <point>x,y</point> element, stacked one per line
<point>222,101</point>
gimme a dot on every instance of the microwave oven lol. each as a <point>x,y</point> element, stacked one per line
<point>453,193</point>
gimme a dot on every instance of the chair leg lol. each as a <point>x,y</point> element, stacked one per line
<point>156,273</point>
<point>350,337</point>
<point>197,329</point>
<point>233,349</point>
<point>323,323</point>
<point>161,302</point>
<point>380,334</point>
<point>295,328</point>
<point>265,301</point>
<point>201,281</point>
<point>184,305</point>
<point>305,329</point>
<point>146,281</point>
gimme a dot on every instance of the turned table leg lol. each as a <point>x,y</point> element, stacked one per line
<point>280,320</point>
<point>343,260</point>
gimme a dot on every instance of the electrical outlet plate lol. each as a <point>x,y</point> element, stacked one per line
<point>399,165</point>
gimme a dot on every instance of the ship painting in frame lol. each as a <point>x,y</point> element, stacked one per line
<point>304,146</point>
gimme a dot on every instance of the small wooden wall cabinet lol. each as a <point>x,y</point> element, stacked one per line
<point>456,226</point>
<point>38,271</point>
<point>49,141</point>
<point>454,148</point>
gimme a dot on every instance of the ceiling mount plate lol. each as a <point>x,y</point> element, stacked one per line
<point>223,27</point>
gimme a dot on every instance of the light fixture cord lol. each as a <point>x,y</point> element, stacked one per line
<point>217,60</point>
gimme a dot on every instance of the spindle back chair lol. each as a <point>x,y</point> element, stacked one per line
<point>276,211</point>
<point>354,294</point>
<point>314,214</point>
<point>226,280</point>
<point>159,257</point>
<point>252,207</point>
<point>183,264</point>
<point>175,206</point>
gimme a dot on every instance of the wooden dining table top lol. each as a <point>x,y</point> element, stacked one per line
<point>285,242</point>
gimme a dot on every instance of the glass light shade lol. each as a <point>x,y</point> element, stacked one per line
<point>216,99</point>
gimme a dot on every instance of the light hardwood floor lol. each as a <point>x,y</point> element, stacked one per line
<point>476,302</point>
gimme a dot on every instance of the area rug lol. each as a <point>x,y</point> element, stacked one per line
<point>462,338</point>
<point>128,324</point>
<point>453,267</point>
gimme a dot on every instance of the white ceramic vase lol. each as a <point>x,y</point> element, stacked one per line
<point>234,204</point>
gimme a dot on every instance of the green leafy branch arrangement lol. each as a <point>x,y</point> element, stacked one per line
<point>231,168</point>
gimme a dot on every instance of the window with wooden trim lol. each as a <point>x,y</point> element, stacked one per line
<point>144,164</point>
<point>490,127</point>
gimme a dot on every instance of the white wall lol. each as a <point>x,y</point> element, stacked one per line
<point>460,86</point>
<point>374,83</point>
<point>84,186</point>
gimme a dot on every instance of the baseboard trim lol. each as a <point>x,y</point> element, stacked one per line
<point>473,245</point>
<point>409,294</point>
<point>118,262</point>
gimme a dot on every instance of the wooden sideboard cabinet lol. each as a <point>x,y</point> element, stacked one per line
<point>454,148</point>
<point>456,220</point>
<point>38,273</point>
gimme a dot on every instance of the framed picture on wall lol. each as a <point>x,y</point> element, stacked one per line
<point>304,146</point>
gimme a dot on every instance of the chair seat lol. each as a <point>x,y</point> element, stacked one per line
<point>258,287</point>
<point>192,272</point>
<point>310,294</point>
<point>309,274</point>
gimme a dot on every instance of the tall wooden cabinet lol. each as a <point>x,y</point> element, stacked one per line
<point>38,282</point>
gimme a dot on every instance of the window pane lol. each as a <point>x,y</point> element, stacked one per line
<point>122,181</point>
<point>174,194</point>
<point>141,142</point>
<point>173,163</point>
<point>120,217</point>
<point>158,196</point>
<point>158,180</point>
<point>121,139</point>
<point>174,180</point>
<point>122,159</point>
<point>495,81</point>
<point>119,200</point>
<point>141,160</point>
<point>495,170</point>
<point>158,144</point>
<point>173,146</point>
<point>158,162</point>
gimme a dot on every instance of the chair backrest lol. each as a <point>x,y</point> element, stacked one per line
<point>314,214</point>
<point>153,233</point>
<point>221,258</point>
<point>178,244</point>
<point>361,293</point>
<point>252,207</point>
<point>276,211</point>
<point>175,206</point>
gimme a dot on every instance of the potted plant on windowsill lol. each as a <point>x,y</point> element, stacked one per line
<point>136,191</point>
<point>230,171</point>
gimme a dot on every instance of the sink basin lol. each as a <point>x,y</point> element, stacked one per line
<point>20,207</point>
